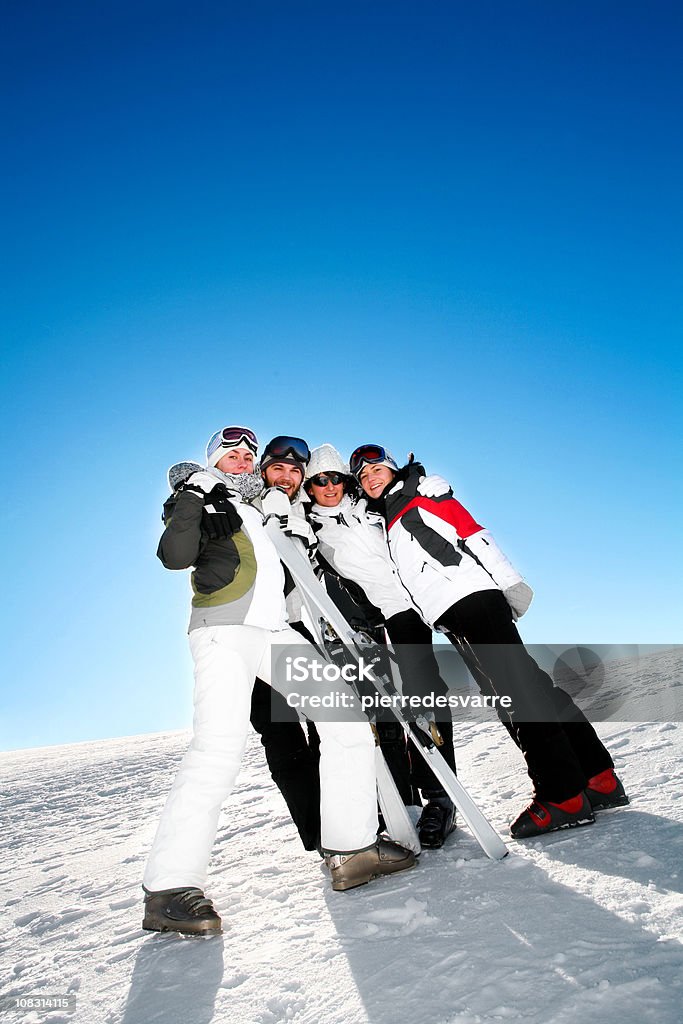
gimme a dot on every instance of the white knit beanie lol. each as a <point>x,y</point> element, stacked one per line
<point>218,446</point>
<point>326,459</point>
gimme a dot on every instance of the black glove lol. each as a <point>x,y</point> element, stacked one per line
<point>220,518</point>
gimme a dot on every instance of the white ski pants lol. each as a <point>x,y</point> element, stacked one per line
<point>227,660</point>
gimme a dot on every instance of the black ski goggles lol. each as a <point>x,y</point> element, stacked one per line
<point>233,437</point>
<point>367,453</point>
<point>282,447</point>
<point>323,479</point>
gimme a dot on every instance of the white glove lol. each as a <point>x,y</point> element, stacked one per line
<point>519,597</point>
<point>433,486</point>
<point>201,481</point>
<point>275,503</point>
<point>297,526</point>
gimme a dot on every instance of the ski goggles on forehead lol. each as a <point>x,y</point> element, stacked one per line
<point>365,453</point>
<point>233,437</point>
<point>283,446</point>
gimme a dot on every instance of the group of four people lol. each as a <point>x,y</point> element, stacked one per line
<point>410,559</point>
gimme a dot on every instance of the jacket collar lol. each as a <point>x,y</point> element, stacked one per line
<point>323,512</point>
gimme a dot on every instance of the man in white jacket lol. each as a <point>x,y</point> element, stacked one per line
<point>238,614</point>
<point>283,465</point>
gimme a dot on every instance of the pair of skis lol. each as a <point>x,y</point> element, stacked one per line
<point>320,605</point>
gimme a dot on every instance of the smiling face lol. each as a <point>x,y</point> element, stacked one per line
<point>329,495</point>
<point>373,479</point>
<point>284,475</point>
<point>236,461</point>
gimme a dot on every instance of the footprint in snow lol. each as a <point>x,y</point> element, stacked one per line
<point>25,919</point>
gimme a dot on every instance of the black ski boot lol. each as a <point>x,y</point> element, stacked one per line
<point>606,790</point>
<point>180,910</point>
<point>436,822</point>
<point>539,818</point>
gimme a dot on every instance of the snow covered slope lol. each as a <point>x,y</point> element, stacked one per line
<point>583,926</point>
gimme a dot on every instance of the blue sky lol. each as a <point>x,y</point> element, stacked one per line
<point>453,228</point>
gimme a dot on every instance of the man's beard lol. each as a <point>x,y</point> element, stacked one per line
<point>292,497</point>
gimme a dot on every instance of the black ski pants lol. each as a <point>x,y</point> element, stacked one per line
<point>293,764</point>
<point>411,639</point>
<point>560,746</point>
<point>292,760</point>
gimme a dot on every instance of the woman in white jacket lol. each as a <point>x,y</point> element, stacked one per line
<point>352,543</point>
<point>464,586</point>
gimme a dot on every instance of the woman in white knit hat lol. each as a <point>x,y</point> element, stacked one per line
<point>351,542</point>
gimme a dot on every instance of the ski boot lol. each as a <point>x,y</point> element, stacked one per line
<point>606,790</point>
<point>180,910</point>
<point>539,818</point>
<point>384,857</point>
<point>436,822</point>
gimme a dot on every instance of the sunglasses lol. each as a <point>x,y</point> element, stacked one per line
<point>323,479</point>
<point>231,437</point>
<point>371,453</point>
<point>282,446</point>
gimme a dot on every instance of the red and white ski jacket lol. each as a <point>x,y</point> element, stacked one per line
<point>442,554</point>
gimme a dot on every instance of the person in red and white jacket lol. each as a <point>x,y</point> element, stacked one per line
<point>464,586</point>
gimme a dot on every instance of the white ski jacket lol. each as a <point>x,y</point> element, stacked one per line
<point>354,543</point>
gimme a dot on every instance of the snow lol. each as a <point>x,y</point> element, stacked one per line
<point>584,925</point>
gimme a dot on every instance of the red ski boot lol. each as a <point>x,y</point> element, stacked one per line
<point>606,790</point>
<point>540,818</point>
